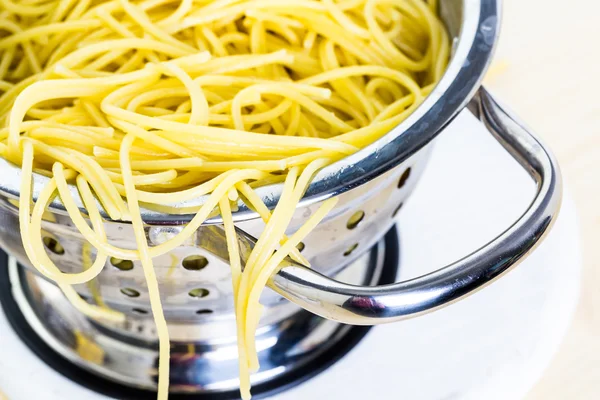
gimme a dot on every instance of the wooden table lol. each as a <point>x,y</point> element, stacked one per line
<point>547,70</point>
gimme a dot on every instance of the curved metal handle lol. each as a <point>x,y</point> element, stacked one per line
<point>381,304</point>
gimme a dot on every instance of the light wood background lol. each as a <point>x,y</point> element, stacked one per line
<point>547,69</point>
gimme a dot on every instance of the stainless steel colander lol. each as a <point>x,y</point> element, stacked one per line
<point>372,185</point>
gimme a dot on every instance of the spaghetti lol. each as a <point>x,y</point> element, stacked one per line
<point>163,101</point>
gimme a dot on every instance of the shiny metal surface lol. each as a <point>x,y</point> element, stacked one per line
<point>203,356</point>
<point>369,306</point>
<point>123,286</point>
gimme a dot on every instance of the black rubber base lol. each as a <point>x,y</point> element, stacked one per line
<point>260,391</point>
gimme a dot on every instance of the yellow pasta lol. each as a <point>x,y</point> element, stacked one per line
<point>165,101</point>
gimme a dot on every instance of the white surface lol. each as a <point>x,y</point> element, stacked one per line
<point>493,345</point>
<point>548,73</point>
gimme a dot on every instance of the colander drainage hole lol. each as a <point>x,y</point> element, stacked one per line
<point>140,311</point>
<point>53,245</point>
<point>123,265</point>
<point>195,263</point>
<point>355,219</point>
<point>204,311</point>
<point>198,293</point>
<point>404,178</point>
<point>350,249</point>
<point>129,292</point>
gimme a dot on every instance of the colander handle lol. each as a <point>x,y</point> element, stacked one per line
<point>360,305</point>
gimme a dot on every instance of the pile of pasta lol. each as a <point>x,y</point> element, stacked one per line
<point>156,102</point>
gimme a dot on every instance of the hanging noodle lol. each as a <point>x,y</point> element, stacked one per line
<point>163,101</point>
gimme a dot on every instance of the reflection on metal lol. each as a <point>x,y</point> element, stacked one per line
<point>204,350</point>
<point>375,305</point>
